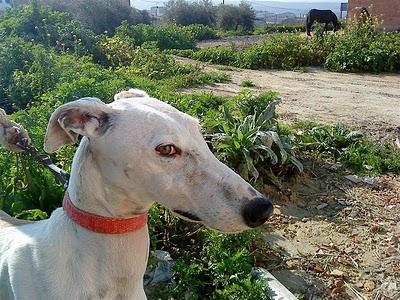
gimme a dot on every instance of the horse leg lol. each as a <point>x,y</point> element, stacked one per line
<point>308,26</point>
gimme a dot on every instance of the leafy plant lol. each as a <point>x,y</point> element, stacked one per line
<point>330,140</point>
<point>352,148</point>
<point>251,144</point>
<point>164,37</point>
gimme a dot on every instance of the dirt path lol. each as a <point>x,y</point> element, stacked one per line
<point>364,101</point>
<point>240,42</point>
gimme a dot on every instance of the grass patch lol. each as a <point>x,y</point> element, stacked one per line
<point>352,148</point>
<point>247,83</point>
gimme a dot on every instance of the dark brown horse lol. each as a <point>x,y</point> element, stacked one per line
<point>321,16</point>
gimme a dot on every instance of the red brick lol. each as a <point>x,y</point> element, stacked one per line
<point>387,10</point>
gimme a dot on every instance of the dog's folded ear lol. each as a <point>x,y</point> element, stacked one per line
<point>87,116</point>
<point>131,93</point>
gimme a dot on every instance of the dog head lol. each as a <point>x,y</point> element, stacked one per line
<point>149,151</point>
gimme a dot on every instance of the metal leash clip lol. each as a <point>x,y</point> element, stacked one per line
<point>45,160</point>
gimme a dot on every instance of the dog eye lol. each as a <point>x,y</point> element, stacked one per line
<point>167,150</point>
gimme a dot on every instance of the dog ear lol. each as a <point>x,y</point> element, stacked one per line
<point>131,93</point>
<point>89,117</point>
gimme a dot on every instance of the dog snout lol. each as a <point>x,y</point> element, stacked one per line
<point>257,211</point>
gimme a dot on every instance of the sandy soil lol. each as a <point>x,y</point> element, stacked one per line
<point>364,101</point>
<point>330,238</point>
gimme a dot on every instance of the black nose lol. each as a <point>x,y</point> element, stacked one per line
<point>257,211</point>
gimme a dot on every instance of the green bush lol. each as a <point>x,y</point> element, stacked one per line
<point>352,148</point>
<point>201,32</point>
<point>249,141</point>
<point>101,15</point>
<point>366,51</point>
<point>281,51</point>
<point>280,28</point>
<point>165,37</point>
<point>37,23</point>
<point>360,49</point>
<point>218,55</point>
<point>216,266</point>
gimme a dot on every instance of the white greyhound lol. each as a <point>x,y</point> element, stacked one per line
<point>134,151</point>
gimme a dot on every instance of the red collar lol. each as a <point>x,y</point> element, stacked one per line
<point>102,224</point>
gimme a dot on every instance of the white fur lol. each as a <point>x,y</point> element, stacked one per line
<point>117,172</point>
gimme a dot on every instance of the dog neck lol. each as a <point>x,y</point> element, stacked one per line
<point>90,191</point>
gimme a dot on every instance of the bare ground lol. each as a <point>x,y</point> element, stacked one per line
<point>365,101</point>
<point>331,238</point>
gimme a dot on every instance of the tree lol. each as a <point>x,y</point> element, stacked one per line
<point>184,13</point>
<point>232,17</point>
<point>101,15</point>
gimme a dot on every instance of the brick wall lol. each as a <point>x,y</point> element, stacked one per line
<point>389,10</point>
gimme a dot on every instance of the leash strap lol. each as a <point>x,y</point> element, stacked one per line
<point>45,160</point>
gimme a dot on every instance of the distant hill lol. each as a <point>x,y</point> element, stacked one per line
<point>295,7</point>
<point>276,7</point>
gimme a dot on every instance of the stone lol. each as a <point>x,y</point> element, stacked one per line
<point>337,273</point>
<point>353,178</point>
<point>322,206</point>
<point>369,285</point>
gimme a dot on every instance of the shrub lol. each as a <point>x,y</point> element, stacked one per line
<point>201,32</point>
<point>365,49</point>
<point>280,28</point>
<point>37,23</point>
<point>250,144</point>
<point>101,15</point>
<point>366,53</point>
<point>352,148</point>
<point>231,17</point>
<point>247,83</point>
<point>165,37</point>
<point>281,51</point>
<point>218,55</point>
<point>216,266</point>
<point>185,13</point>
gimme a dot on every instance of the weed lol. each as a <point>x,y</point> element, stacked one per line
<point>247,83</point>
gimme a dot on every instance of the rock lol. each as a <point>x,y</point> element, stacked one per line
<point>337,290</point>
<point>359,284</point>
<point>301,204</point>
<point>368,167</point>
<point>369,180</point>
<point>369,285</point>
<point>318,269</point>
<point>337,273</point>
<point>374,229</point>
<point>391,250</point>
<point>322,206</point>
<point>305,219</point>
<point>353,178</point>
<point>339,283</point>
<point>344,202</point>
<point>353,213</point>
<point>336,166</point>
